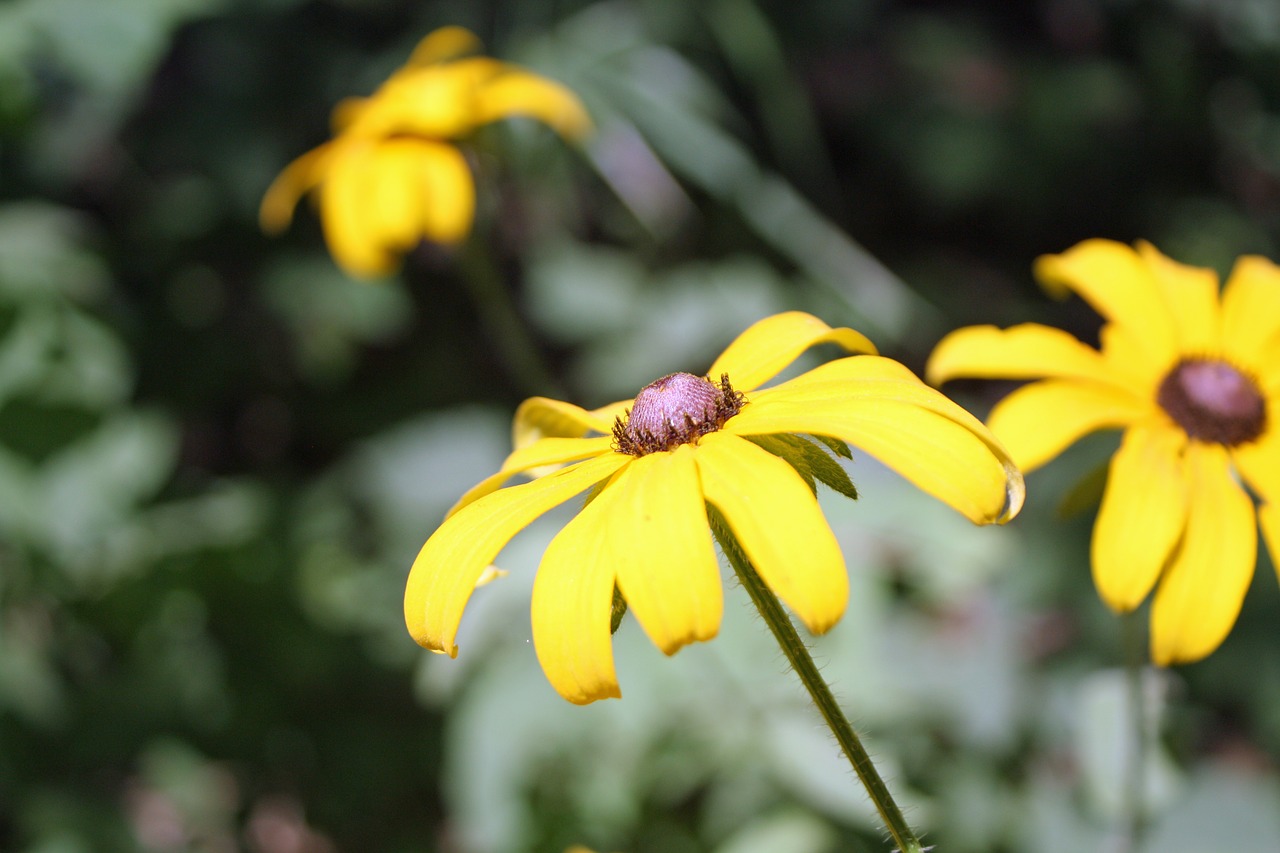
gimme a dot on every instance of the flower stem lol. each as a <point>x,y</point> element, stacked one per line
<point>503,325</point>
<point>798,655</point>
<point>1135,660</point>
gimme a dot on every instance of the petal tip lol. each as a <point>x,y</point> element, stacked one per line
<point>1015,494</point>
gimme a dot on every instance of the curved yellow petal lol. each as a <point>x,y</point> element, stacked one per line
<point>542,417</point>
<point>779,524</point>
<point>1259,461</point>
<point>282,196</point>
<point>1144,510</point>
<point>436,101</point>
<point>861,377</point>
<point>1038,421</point>
<point>1120,286</point>
<point>446,192</point>
<point>1200,595</point>
<point>660,547</point>
<point>1029,351</point>
<point>768,346</point>
<point>572,605</point>
<point>447,567</point>
<point>382,197</point>
<point>831,379</point>
<point>1251,315</point>
<point>1129,364</point>
<point>347,112</point>
<point>1191,295</point>
<point>393,203</point>
<point>349,214</point>
<point>954,462</point>
<point>548,451</point>
<point>444,43</point>
<point>521,93</point>
<point>610,413</point>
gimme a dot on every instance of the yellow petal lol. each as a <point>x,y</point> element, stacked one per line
<point>347,112</point>
<point>857,368</point>
<point>572,606</point>
<point>838,382</point>
<point>444,43</point>
<point>764,349</point>
<point>436,102</point>
<point>1129,364</point>
<point>1251,315</point>
<point>610,413</point>
<point>1029,351</point>
<point>520,93</point>
<point>779,524</point>
<point>1120,286</point>
<point>446,192</point>
<point>548,451</point>
<point>956,463</point>
<point>447,567</point>
<point>278,202</point>
<point>1144,510</point>
<point>348,211</point>
<point>1191,294</point>
<point>381,198</point>
<point>393,197</point>
<point>1038,421</point>
<point>542,417</point>
<point>1259,461</point>
<point>1200,594</point>
<point>660,546</point>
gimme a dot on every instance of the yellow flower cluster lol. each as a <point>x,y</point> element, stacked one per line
<point>391,176</point>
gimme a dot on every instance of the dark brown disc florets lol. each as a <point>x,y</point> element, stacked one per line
<point>675,410</point>
<point>1213,401</point>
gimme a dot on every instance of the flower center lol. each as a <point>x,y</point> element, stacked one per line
<point>675,410</point>
<point>1213,401</point>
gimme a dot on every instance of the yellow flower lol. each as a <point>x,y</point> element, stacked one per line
<point>1194,381</point>
<point>391,175</point>
<point>655,464</point>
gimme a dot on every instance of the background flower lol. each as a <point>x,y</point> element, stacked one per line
<point>392,176</point>
<point>1194,380</point>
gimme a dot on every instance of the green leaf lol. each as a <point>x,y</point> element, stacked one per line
<point>1086,493</point>
<point>810,460</point>
<point>835,445</point>
<point>791,449</point>
<point>829,471</point>
<point>618,610</point>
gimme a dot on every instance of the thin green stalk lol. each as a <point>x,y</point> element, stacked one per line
<point>801,661</point>
<point>504,327</point>
<point>1135,663</point>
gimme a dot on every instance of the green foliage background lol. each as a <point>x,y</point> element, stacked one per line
<point>218,455</point>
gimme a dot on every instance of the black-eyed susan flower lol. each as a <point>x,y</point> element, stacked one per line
<point>392,175</point>
<point>653,467</point>
<point>1193,379</point>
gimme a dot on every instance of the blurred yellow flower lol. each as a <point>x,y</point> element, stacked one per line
<point>655,464</point>
<point>1194,381</point>
<point>391,176</point>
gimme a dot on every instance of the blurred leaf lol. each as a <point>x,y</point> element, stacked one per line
<point>1107,744</point>
<point>82,493</point>
<point>792,831</point>
<point>42,254</point>
<point>330,316</point>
